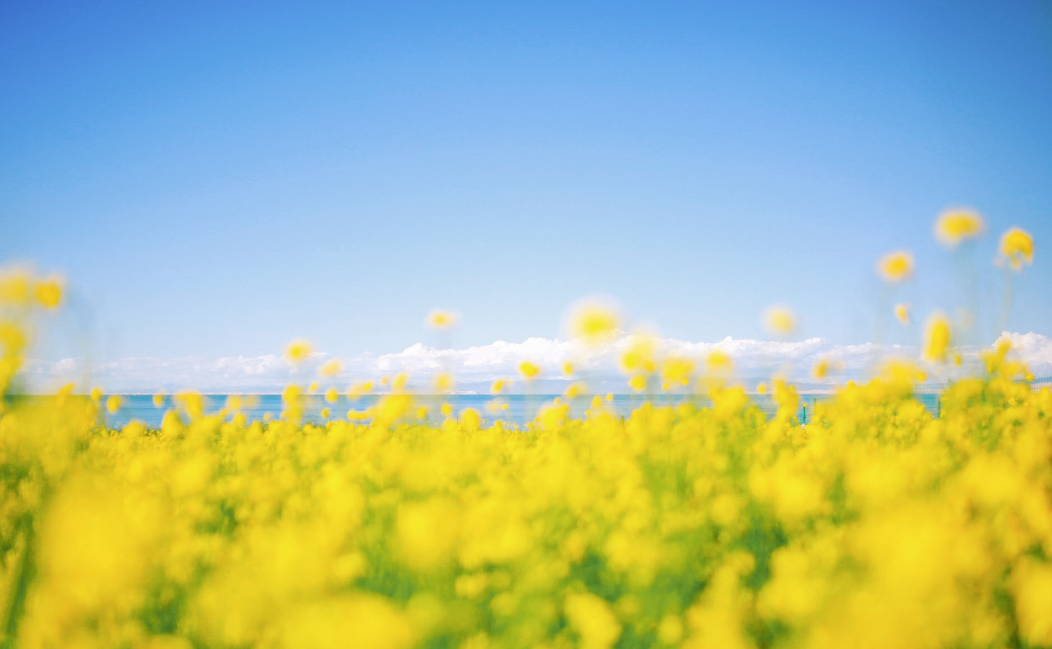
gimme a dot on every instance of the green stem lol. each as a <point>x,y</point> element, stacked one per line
<point>19,585</point>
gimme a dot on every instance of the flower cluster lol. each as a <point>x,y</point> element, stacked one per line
<point>875,524</point>
<point>708,523</point>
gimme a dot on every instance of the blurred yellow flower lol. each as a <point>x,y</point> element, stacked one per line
<point>640,354</point>
<point>594,322</point>
<point>567,368</point>
<point>937,339</point>
<point>498,386</point>
<point>676,370</point>
<point>780,320</point>
<point>113,404</point>
<point>638,382</point>
<point>16,287</point>
<point>529,370</point>
<point>1017,246</point>
<point>902,312</point>
<point>330,368</point>
<point>575,390</point>
<point>896,266</point>
<point>593,621</point>
<point>956,225</point>
<point>442,319</point>
<point>49,292</point>
<point>297,351</point>
<point>443,382</point>
<point>718,362</point>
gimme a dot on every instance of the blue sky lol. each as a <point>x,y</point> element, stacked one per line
<point>215,179</point>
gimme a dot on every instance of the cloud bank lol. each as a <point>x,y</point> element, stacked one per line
<point>475,367</point>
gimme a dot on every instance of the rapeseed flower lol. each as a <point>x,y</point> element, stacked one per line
<point>1017,246</point>
<point>640,354</point>
<point>780,320</point>
<point>902,312</point>
<point>896,266</point>
<point>297,351</point>
<point>594,322</point>
<point>956,225</point>
<point>48,292</point>
<point>444,382</point>
<point>442,319</point>
<point>330,368</point>
<point>937,338</point>
<point>876,518</point>
<point>529,370</point>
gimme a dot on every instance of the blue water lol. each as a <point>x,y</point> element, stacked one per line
<point>521,408</point>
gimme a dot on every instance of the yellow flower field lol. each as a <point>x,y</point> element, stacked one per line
<point>873,524</point>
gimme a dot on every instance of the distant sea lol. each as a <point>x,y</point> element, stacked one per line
<point>520,408</point>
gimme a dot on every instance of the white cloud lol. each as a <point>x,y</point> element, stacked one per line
<point>481,364</point>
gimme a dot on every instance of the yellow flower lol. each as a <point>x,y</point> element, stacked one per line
<point>567,368</point>
<point>718,362</point>
<point>331,395</point>
<point>761,388</point>
<point>291,393</point>
<point>820,369</point>
<point>1017,246</point>
<point>956,225</point>
<point>639,356</point>
<point>49,292</point>
<point>499,386</point>
<point>471,419</point>
<point>331,368</point>
<point>312,387</point>
<point>593,621</point>
<point>594,322</point>
<point>638,382</point>
<point>676,370</point>
<point>442,319</point>
<point>297,351</point>
<point>937,341</point>
<point>443,381</point>
<point>15,287</point>
<point>358,388</point>
<point>113,404</point>
<point>158,400</point>
<point>529,370</point>
<point>780,320</point>
<point>1031,582</point>
<point>575,390</point>
<point>902,312</point>
<point>896,266</point>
